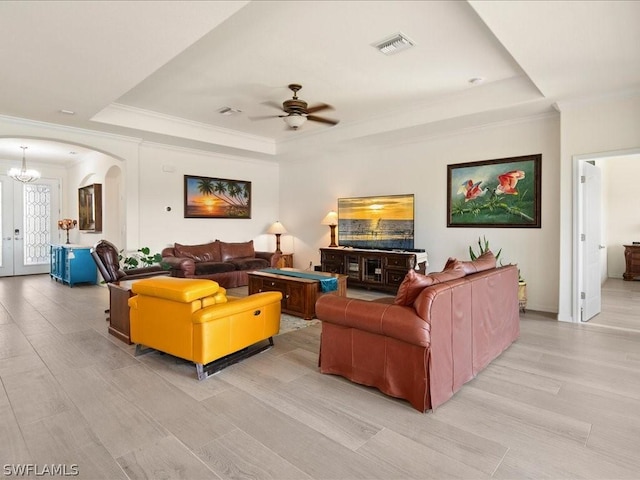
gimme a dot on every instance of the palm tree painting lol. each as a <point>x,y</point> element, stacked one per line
<point>494,193</point>
<point>206,197</point>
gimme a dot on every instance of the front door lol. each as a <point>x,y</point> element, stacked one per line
<point>28,224</point>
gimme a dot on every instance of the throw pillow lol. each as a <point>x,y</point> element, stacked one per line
<point>446,275</point>
<point>453,264</point>
<point>230,251</point>
<point>486,261</point>
<point>411,287</point>
<point>206,252</point>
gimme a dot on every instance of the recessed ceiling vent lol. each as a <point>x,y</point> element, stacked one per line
<point>229,111</point>
<point>395,44</point>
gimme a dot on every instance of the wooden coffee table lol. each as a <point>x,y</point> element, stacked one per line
<point>299,295</point>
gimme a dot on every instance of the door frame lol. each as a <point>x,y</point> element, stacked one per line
<point>576,276</point>
<point>15,196</point>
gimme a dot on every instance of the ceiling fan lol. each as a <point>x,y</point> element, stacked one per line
<point>297,112</point>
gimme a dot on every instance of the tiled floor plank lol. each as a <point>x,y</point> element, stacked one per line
<point>562,402</point>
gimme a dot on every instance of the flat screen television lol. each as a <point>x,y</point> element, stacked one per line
<point>382,222</point>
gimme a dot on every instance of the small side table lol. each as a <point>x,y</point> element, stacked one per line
<point>286,260</point>
<point>119,294</point>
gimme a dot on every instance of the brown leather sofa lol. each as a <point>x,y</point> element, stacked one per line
<point>440,331</point>
<point>223,262</point>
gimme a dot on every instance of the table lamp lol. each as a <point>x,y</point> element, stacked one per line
<point>277,229</point>
<point>67,224</point>
<point>332,220</point>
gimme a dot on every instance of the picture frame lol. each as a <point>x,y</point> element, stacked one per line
<point>495,193</point>
<point>209,197</point>
<point>90,208</point>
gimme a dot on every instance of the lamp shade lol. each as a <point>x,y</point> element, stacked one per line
<point>277,228</point>
<point>330,219</point>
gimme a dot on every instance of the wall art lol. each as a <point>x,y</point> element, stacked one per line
<point>206,197</point>
<point>495,193</point>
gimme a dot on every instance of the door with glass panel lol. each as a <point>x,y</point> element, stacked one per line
<point>28,225</point>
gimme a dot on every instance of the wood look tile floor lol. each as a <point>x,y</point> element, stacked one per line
<point>563,402</point>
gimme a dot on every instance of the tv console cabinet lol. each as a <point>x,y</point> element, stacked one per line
<point>373,269</point>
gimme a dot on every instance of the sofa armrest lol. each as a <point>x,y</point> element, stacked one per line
<point>271,257</point>
<point>235,306</point>
<point>144,272</point>
<point>179,266</point>
<point>395,321</point>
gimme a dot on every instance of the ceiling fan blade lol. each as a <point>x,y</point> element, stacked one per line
<point>330,121</point>
<point>265,117</point>
<point>273,104</point>
<point>319,107</point>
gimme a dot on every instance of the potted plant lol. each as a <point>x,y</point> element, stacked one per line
<point>141,257</point>
<point>483,246</point>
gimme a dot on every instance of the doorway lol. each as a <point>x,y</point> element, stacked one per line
<point>599,239</point>
<point>28,213</point>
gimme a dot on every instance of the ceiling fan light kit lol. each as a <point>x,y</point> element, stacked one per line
<point>297,112</point>
<point>294,120</point>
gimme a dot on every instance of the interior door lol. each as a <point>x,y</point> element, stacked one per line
<point>590,240</point>
<point>29,214</point>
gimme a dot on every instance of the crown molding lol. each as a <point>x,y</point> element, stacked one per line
<point>580,102</point>
<point>149,121</point>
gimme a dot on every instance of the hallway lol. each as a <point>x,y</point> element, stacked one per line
<point>620,305</point>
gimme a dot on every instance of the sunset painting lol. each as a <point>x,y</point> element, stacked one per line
<point>206,197</point>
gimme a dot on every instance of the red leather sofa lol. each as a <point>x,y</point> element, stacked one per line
<point>223,262</point>
<point>439,333</point>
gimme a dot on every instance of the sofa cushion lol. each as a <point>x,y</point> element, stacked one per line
<point>411,287</point>
<point>446,275</point>
<point>206,252</point>
<point>184,290</point>
<point>486,261</point>
<point>249,263</point>
<point>454,264</point>
<point>207,268</point>
<point>414,282</point>
<point>230,251</point>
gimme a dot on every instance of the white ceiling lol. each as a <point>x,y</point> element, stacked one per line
<point>161,70</point>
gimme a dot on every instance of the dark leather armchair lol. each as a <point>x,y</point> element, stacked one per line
<point>105,254</point>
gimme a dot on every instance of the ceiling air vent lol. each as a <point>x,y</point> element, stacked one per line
<point>394,44</point>
<point>229,111</point>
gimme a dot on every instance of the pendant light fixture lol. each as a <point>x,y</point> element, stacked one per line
<point>23,174</point>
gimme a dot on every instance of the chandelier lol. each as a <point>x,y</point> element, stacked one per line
<point>23,174</point>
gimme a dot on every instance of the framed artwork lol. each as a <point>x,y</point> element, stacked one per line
<point>90,208</point>
<point>206,197</point>
<point>495,193</point>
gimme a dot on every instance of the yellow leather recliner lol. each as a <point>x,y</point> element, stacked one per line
<point>195,320</point>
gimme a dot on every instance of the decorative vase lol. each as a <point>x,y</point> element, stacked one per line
<point>522,296</point>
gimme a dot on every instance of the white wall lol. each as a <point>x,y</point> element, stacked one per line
<point>159,189</point>
<point>311,186</point>
<point>588,128</point>
<point>92,169</point>
<point>622,207</point>
<point>147,190</point>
